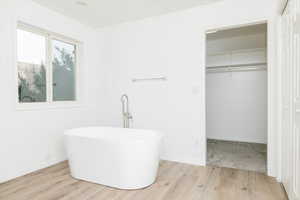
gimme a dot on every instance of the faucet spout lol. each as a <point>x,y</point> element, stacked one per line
<point>125,111</point>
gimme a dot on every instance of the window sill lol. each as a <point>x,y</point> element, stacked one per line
<point>47,106</point>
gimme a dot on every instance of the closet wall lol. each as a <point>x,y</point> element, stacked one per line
<point>237,101</point>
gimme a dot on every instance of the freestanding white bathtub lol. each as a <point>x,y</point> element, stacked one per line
<point>115,157</point>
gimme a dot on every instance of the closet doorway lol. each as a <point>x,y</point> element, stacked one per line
<point>237,97</point>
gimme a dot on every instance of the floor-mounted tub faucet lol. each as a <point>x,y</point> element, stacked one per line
<point>125,111</point>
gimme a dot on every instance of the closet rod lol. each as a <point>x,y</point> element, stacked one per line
<point>242,67</point>
<point>237,65</point>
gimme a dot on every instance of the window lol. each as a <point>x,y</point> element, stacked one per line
<point>31,67</point>
<point>63,68</point>
<point>47,65</point>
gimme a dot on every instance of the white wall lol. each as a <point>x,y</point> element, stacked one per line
<point>30,140</point>
<point>237,106</point>
<point>174,45</point>
<point>236,102</point>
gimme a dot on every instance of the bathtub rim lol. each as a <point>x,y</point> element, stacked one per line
<point>135,134</point>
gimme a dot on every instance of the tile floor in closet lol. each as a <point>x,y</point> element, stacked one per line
<point>237,155</point>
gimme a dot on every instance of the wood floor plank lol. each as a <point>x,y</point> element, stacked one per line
<point>182,185</point>
<point>263,187</point>
<point>39,190</point>
<point>33,185</point>
<point>109,193</point>
<point>175,181</point>
<point>23,180</point>
<point>196,192</point>
<point>226,184</point>
<point>90,192</point>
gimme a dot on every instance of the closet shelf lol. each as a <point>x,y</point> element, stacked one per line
<point>239,67</point>
<point>238,51</point>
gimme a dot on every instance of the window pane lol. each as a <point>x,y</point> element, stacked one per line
<point>64,58</point>
<point>31,67</point>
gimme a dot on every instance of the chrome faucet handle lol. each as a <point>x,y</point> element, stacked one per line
<point>129,115</point>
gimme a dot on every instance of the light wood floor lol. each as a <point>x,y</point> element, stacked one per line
<point>175,181</point>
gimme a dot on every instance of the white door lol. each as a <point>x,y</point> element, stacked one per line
<point>291,100</point>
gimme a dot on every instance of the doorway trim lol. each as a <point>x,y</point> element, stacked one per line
<point>272,74</point>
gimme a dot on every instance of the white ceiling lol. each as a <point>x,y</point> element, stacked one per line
<point>99,13</point>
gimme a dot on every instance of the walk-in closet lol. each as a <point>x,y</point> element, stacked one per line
<point>236,97</point>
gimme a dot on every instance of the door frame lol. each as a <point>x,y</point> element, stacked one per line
<point>290,102</point>
<point>273,155</point>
